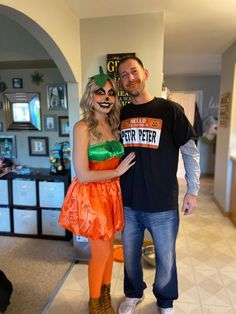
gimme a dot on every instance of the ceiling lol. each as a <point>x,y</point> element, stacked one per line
<point>196,32</point>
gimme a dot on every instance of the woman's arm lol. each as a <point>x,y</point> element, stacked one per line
<point>81,161</point>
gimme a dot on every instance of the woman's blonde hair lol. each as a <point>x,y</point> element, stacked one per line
<point>86,104</point>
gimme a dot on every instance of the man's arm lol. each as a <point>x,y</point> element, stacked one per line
<point>191,158</point>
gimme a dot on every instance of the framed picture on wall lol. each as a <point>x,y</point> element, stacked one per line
<point>63,123</point>
<point>7,146</point>
<point>38,146</point>
<point>17,83</point>
<point>50,123</point>
<point>56,97</point>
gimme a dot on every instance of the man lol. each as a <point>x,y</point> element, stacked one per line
<point>155,129</point>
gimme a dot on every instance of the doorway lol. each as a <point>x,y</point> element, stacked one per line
<point>187,101</point>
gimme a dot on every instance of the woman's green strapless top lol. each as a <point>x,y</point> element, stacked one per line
<point>105,150</point>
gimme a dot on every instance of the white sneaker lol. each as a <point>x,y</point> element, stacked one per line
<point>128,305</point>
<point>168,310</point>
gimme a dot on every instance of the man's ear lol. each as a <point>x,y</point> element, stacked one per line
<point>146,74</point>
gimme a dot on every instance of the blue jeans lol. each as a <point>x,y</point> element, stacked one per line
<point>163,226</point>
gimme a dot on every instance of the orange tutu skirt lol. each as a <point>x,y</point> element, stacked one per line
<point>94,209</point>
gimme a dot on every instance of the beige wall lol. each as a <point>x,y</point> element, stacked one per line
<point>142,34</point>
<point>233,120</point>
<point>226,136</point>
<point>55,20</point>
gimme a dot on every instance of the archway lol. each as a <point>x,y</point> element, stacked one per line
<point>43,37</point>
<point>47,42</point>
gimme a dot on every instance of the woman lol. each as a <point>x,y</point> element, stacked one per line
<point>93,204</point>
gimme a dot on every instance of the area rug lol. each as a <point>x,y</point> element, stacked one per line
<point>35,267</point>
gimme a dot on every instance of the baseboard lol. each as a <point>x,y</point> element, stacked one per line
<point>232,217</point>
<point>221,209</point>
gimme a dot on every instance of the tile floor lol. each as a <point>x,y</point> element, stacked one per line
<point>206,255</point>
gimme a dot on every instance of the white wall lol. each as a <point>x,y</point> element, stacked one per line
<point>224,142</point>
<point>142,34</point>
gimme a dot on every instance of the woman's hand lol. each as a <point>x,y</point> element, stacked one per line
<point>125,164</point>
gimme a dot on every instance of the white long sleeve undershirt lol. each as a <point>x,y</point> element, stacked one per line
<point>191,159</point>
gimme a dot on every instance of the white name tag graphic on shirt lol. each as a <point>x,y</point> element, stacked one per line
<point>141,132</point>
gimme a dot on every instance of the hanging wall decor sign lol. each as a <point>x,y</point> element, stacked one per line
<point>38,146</point>
<point>225,102</point>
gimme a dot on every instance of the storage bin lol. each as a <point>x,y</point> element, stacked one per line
<point>50,224</point>
<point>24,192</point>
<point>5,219</point>
<point>51,194</point>
<point>25,221</point>
<point>4,198</point>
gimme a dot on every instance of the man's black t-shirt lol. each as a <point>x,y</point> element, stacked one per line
<point>154,131</point>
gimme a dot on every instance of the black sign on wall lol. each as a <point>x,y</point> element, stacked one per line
<point>113,61</point>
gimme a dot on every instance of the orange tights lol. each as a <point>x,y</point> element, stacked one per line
<point>100,265</point>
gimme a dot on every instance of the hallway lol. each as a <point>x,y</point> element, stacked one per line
<point>206,259</point>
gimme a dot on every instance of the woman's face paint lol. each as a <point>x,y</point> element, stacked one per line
<point>104,98</point>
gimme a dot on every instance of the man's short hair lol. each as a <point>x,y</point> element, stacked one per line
<point>124,59</point>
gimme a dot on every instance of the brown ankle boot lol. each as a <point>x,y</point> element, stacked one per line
<point>96,306</point>
<point>106,300</point>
